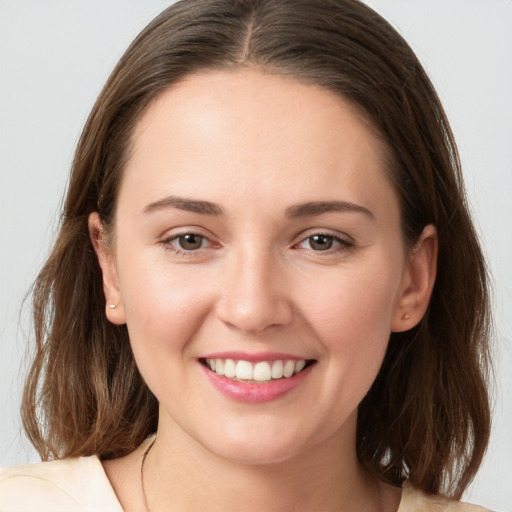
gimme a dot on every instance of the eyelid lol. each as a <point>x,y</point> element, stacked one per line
<point>171,235</point>
<point>344,241</point>
<point>176,232</point>
<point>342,237</point>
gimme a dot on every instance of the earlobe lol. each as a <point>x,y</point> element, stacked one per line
<point>114,310</point>
<point>418,282</point>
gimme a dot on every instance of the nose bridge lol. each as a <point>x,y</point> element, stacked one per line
<point>254,297</point>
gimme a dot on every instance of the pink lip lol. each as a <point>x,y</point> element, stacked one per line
<point>254,358</point>
<point>255,393</point>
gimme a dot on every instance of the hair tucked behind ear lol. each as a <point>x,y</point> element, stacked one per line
<point>427,415</point>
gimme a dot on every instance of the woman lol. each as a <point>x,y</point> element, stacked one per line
<point>259,294</point>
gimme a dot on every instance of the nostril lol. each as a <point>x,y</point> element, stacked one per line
<point>256,316</point>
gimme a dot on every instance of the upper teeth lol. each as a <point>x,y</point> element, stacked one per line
<point>261,371</point>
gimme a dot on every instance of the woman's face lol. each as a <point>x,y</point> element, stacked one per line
<point>256,226</point>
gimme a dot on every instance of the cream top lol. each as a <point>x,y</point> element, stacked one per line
<point>81,485</point>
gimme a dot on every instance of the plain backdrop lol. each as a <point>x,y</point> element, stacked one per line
<point>54,58</point>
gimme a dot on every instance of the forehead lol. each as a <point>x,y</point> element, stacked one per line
<point>245,133</point>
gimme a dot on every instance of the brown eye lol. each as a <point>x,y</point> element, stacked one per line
<point>321,242</point>
<point>190,242</point>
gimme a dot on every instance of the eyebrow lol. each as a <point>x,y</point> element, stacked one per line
<point>310,209</point>
<point>183,203</point>
<point>319,207</point>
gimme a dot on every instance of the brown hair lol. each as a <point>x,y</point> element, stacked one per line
<point>427,415</point>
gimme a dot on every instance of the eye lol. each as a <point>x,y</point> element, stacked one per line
<point>190,241</point>
<point>186,243</point>
<point>322,242</point>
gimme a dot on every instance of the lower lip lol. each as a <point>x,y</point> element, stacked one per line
<point>255,393</point>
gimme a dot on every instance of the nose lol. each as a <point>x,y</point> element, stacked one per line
<point>254,297</point>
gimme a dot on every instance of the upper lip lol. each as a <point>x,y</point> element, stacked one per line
<point>256,357</point>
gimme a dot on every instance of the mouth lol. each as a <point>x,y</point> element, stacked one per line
<point>261,372</point>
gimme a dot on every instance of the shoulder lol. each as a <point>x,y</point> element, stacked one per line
<point>68,485</point>
<point>416,501</point>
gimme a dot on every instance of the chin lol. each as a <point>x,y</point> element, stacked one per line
<point>258,455</point>
<point>257,448</point>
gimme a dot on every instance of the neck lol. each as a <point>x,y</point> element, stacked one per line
<point>325,477</point>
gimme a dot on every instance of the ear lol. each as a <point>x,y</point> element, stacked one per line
<point>114,306</point>
<point>417,282</point>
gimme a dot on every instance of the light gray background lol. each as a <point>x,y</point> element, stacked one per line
<point>54,58</point>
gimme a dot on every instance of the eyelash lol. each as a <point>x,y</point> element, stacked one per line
<point>168,243</point>
<point>340,244</point>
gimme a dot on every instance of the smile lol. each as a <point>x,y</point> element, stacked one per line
<point>256,381</point>
<point>261,371</point>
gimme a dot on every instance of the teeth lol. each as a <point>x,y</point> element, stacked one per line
<point>289,367</point>
<point>229,368</point>
<point>299,366</point>
<point>263,371</point>
<point>244,370</point>
<point>277,370</point>
<point>219,366</point>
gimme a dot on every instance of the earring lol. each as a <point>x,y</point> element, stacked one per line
<point>112,306</point>
<point>405,317</point>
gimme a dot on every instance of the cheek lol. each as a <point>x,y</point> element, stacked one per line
<point>353,325</point>
<point>352,302</point>
<point>164,309</point>
<point>351,316</point>
<point>162,305</point>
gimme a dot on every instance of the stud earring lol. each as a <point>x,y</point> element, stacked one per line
<point>405,317</point>
<point>112,306</point>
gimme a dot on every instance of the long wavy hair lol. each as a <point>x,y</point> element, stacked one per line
<point>426,417</point>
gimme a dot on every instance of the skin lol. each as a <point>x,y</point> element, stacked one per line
<point>257,145</point>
